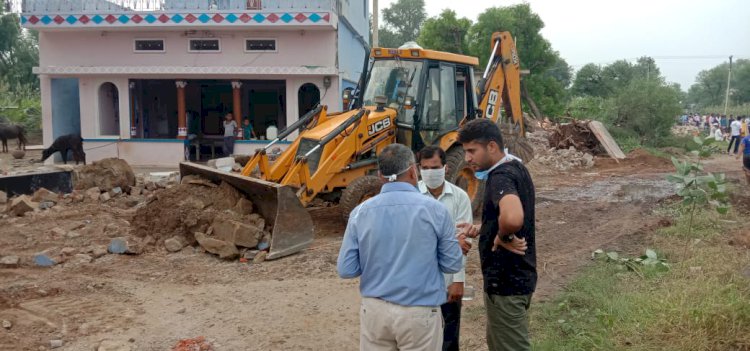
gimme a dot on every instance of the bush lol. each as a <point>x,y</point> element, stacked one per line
<point>647,108</point>
<point>24,108</point>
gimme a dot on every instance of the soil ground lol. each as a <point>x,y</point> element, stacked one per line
<point>153,300</point>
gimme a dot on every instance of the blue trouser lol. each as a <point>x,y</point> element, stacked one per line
<point>228,145</point>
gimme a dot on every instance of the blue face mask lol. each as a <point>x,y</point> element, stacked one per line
<point>482,175</point>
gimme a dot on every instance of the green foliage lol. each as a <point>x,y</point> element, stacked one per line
<point>401,23</point>
<point>645,108</point>
<point>445,33</point>
<point>710,86</point>
<point>650,260</point>
<point>19,52</point>
<point>22,107</point>
<point>589,82</point>
<point>695,186</point>
<point>549,73</point>
<point>736,110</point>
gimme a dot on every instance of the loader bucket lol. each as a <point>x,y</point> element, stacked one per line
<point>292,226</point>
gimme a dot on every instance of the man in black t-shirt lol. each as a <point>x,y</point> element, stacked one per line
<point>506,237</point>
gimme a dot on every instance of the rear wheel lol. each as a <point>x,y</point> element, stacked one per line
<point>458,172</point>
<point>357,192</point>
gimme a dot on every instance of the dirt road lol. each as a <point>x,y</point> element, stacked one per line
<point>150,301</point>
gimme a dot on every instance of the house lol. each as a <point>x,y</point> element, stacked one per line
<point>136,77</point>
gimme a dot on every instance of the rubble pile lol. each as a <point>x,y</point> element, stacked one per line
<point>216,217</point>
<point>105,174</point>
<point>685,130</point>
<point>576,134</point>
<point>564,159</point>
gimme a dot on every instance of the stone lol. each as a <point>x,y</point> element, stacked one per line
<point>21,205</point>
<point>55,343</point>
<point>111,345</point>
<point>9,262</point>
<point>162,183</point>
<point>181,310</point>
<point>43,194</point>
<point>175,243</point>
<point>151,186</point>
<point>3,197</point>
<point>244,207</point>
<point>238,233</point>
<point>44,260</point>
<point>7,324</point>
<point>260,257</point>
<point>105,174</point>
<point>57,231</point>
<point>116,191</point>
<point>83,258</point>
<point>250,254</point>
<point>136,190</point>
<point>72,234</point>
<point>104,197</point>
<point>257,220</point>
<point>93,193</point>
<point>99,251</point>
<point>236,167</point>
<point>225,250</point>
<point>45,205</point>
<point>18,154</point>
<point>122,245</point>
<point>68,251</point>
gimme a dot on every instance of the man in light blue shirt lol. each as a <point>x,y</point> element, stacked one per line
<point>400,243</point>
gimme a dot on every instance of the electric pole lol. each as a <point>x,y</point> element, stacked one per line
<point>729,81</point>
<point>375,14</point>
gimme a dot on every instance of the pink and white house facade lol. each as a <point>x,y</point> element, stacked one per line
<point>136,77</point>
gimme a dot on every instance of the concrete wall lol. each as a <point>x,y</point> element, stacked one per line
<point>116,48</point>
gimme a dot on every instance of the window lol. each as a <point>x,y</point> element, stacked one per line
<point>439,112</point>
<point>149,45</point>
<point>260,45</point>
<point>204,45</point>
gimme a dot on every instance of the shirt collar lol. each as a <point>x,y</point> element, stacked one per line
<point>397,186</point>
<point>447,188</point>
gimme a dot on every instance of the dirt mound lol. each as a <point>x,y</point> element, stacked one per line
<point>576,134</point>
<point>639,158</point>
<point>106,174</point>
<point>185,209</point>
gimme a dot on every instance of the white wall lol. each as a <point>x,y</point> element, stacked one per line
<point>89,96</point>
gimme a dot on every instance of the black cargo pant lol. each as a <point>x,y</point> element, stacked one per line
<point>452,319</point>
<point>736,141</point>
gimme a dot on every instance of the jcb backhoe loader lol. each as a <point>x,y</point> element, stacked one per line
<point>409,95</point>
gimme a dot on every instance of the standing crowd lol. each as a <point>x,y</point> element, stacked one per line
<point>408,246</point>
<point>736,130</point>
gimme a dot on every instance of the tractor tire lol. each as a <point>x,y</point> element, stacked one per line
<point>459,173</point>
<point>357,192</point>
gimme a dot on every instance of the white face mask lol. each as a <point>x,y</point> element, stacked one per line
<point>433,178</point>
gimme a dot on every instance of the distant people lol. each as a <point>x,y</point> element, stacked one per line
<point>743,131</point>
<point>718,134</point>
<point>735,130</point>
<point>432,161</point>
<point>247,130</point>
<point>400,243</point>
<point>696,120</point>
<point>724,123</point>
<point>745,152</point>
<point>230,132</point>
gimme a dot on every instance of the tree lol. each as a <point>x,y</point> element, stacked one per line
<point>589,81</point>
<point>401,22</point>
<point>645,109</point>
<point>445,32</point>
<point>710,85</point>
<point>535,53</point>
<point>19,52</point>
<point>646,68</point>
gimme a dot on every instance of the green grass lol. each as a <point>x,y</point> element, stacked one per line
<point>702,303</point>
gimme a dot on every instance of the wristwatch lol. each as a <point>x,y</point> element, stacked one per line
<point>507,238</point>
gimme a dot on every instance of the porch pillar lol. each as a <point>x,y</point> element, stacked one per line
<point>133,127</point>
<point>181,113</point>
<point>237,106</point>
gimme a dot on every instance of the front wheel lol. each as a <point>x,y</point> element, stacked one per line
<point>458,172</point>
<point>357,192</point>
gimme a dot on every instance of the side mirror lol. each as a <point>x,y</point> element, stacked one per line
<point>346,96</point>
<point>409,102</point>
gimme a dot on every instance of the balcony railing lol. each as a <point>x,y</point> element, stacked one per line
<point>124,6</point>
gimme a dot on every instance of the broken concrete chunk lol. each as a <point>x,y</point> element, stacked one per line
<point>225,250</point>
<point>116,191</point>
<point>68,251</point>
<point>135,191</point>
<point>93,193</point>
<point>175,243</point>
<point>44,195</point>
<point>238,233</point>
<point>257,220</point>
<point>3,197</point>
<point>22,204</point>
<point>99,251</point>
<point>83,258</point>
<point>9,262</point>
<point>104,197</point>
<point>244,206</point>
<point>57,231</point>
<point>44,205</point>
<point>7,324</point>
<point>260,257</point>
<point>55,343</point>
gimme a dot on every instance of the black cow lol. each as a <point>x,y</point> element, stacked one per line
<point>12,131</point>
<point>72,142</point>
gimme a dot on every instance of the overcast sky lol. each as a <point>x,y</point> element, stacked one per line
<point>679,34</point>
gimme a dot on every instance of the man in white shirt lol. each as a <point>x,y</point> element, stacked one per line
<point>432,162</point>
<point>736,128</point>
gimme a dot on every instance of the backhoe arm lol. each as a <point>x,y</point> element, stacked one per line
<point>501,81</point>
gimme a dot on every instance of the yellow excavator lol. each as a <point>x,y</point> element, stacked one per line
<point>408,95</point>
